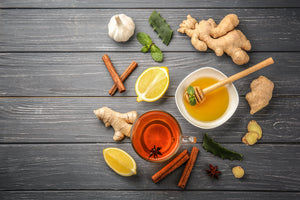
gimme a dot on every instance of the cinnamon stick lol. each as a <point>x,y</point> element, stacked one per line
<point>123,77</point>
<point>174,164</point>
<point>188,168</point>
<point>113,73</point>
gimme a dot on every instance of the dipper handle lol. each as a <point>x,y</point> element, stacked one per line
<point>239,75</point>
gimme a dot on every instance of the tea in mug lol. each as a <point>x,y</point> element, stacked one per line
<point>156,136</point>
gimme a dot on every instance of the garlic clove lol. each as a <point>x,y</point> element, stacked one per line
<point>121,28</point>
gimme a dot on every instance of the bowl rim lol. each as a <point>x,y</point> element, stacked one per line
<point>221,120</point>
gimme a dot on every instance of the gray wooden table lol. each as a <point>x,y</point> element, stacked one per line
<point>52,78</point>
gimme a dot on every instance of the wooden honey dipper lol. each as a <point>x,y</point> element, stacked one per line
<point>200,94</point>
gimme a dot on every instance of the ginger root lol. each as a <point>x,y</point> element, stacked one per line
<point>250,138</point>
<point>254,127</point>
<point>121,122</point>
<point>238,172</point>
<point>254,133</point>
<point>260,95</point>
<point>220,38</point>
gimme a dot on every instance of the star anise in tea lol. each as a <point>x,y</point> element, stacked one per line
<point>155,152</point>
<point>213,171</point>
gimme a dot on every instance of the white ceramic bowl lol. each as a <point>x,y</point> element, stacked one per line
<point>206,72</point>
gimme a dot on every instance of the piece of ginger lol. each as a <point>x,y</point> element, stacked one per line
<point>238,172</point>
<point>254,133</point>
<point>254,127</point>
<point>250,138</point>
<point>121,122</point>
<point>261,93</point>
<point>220,38</point>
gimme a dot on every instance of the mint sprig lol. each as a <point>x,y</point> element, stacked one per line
<point>192,98</point>
<point>156,53</point>
<point>145,40</point>
<point>145,49</point>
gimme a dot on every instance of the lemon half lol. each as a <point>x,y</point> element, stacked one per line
<point>119,161</point>
<point>152,84</point>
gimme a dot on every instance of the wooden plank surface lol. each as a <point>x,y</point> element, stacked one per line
<point>269,167</point>
<point>86,29</point>
<point>52,78</point>
<point>146,4</point>
<point>84,74</point>
<point>146,195</point>
<point>59,120</point>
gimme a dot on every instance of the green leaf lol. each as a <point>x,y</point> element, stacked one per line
<point>156,53</point>
<point>190,90</point>
<point>145,49</point>
<point>192,101</point>
<point>215,148</point>
<point>192,98</point>
<point>144,39</point>
<point>162,28</point>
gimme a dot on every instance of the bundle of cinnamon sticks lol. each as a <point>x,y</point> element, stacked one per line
<point>116,78</point>
<point>177,162</point>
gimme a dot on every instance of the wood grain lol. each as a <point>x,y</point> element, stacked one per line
<point>146,4</point>
<point>81,166</point>
<point>146,195</point>
<point>52,78</point>
<point>84,74</point>
<point>59,120</point>
<point>86,29</point>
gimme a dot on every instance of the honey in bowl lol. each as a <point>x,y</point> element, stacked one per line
<point>215,104</point>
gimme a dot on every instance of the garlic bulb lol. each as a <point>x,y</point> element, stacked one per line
<point>121,28</point>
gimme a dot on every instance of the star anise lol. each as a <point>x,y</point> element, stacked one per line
<point>155,152</point>
<point>213,171</point>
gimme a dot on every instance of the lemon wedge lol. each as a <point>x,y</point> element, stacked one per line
<point>152,84</point>
<point>119,161</point>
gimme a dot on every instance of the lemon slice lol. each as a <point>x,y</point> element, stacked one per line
<point>152,84</point>
<point>119,161</point>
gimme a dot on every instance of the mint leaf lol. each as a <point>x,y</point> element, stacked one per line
<point>192,101</point>
<point>192,98</point>
<point>156,53</point>
<point>145,49</point>
<point>144,39</point>
<point>190,90</point>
